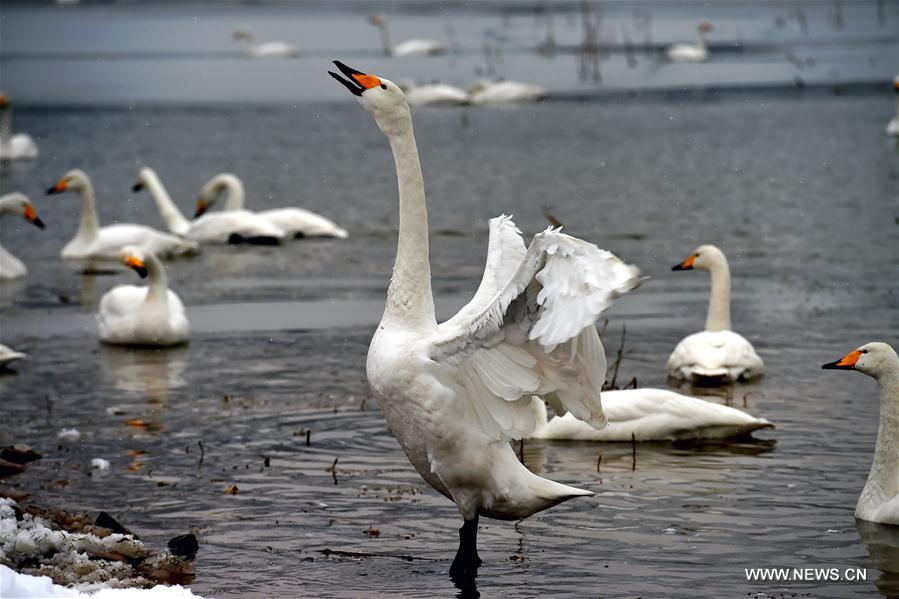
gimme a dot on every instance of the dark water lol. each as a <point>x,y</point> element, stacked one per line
<point>800,190</point>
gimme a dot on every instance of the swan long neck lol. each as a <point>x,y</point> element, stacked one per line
<point>90,222</point>
<point>885,468</point>
<point>897,107</point>
<point>409,298</point>
<point>173,217</point>
<point>718,318</point>
<point>236,194</point>
<point>700,39</point>
<point>157,292</point>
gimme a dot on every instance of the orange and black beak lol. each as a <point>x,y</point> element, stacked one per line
<point>847,362</point>
<point>202,207</point>
<point>686,264</point>
<point>135,263</point>
<point>60,187</point>
<point>31,216</point>
<point>355,81</point>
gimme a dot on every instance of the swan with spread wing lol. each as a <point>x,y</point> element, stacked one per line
<point>455,393</point>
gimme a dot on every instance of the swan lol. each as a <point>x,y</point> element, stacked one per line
<point>692,52</point>
<point>413,47</point>
<point>879,501</point>
<point>651,415</point>
<point>13,146</point>
<point>434,94</point>
<point>16,203</point>
<point>95,242</point>
<point>717,353</point>
<point>893,125</point>
<point>151,316</point>
<point>296,222</point>
<point>9,355</point>
<point>266,49</point>
<point>230,226</point>
<point>455,393</point>
<point>505,92</point>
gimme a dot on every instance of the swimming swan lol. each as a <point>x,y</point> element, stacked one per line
<point>651,415</point>
<point>295,222</point>
<point>717,353</point>
<point>413,47</point>
<point>9,355</point>
<point>692,52</point>
<point>151,316</point>
<point>266,49</point>
<point>95,242</point>
<point>455,393</point>
<point>13,146</point>
<point>16,203</point>
<point>879,501</point>
<point>434,94</point>
<point>230,226</point>
<point>505,92</point>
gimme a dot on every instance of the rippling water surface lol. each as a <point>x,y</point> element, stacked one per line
<point>799,188</point>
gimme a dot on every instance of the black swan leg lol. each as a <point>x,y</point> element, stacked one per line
<point>465,565</point>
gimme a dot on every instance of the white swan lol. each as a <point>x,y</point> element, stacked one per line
<point>230,226</point>
<point>455,393</point>
<point>266,49</point>
<point>95,242</point>
<point>893,125</point>
<point>692,52</point>
<point>717,353</point>
<point>13,146</point>
<point>16,203</point>
<point>413,47</point>
<point>651,415</point>
<point>296,222</point>
<point>151,316</point>
<point>879,501</point>
<point>505,92</point>
<point>9,355</point>
<point>434,94</point>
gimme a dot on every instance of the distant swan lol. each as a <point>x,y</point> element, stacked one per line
<point>879,501</point>
<point>413,47</point>
<point>651,415</point>
<point>295,222</point>
<point>505,92</point>
<point>692,52</point>
<point>13,146</point>
<point>16,203</point>
<point>230,226</point>
<point>9,355</point>
<point>106,243</point>
<point>717,353</point>
<point>893,125</point>
<point>143,316</point>
<point>434,94</point>
<point>266,49</point>
<point>455,393</point>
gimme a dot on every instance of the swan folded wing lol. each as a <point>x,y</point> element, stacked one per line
<point>536,335</point>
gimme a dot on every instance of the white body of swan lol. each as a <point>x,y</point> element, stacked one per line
<point>13,146</point>
<point>879,501</point>
<point>229,226</point>
<point>143,316</point>
<point>18,204</point>
<point>691,52</point>
<point>105,243</point>
<point>434,94</point>
<point>266,49</point>
<point>412,47</point>
<point>294,222</point>
<point>717,352</point>
<point>893,125</point>
<point>9,355</point>
<point>455,393</point>
<point>505,92</point>
<point>651,415</point>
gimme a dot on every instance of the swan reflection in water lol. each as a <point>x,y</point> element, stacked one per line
<point>883,554</point>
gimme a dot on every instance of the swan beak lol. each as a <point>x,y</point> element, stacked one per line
<point>60,187</point>
<point>356,81</point>
<point>135,263</point>
<point>31,216</point>
<point>686,264</point>
<point>137,186</point>
<point>202,206</point>
<point>847,362</point>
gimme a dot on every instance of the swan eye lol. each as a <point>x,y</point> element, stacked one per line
<point>383,86</point>
<point>864,351</point>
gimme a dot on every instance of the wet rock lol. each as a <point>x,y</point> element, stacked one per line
<point>184,546</point>
<point>19,454</point>
<point>8,468</point>
<point>106,521</point>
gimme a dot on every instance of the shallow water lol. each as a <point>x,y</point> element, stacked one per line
<point>798,188</point>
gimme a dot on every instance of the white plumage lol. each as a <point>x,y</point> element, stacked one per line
<point>411,47</point>
<point>505,92</point>
<point>9,355</point>
<point>434,94</point>
<point>691,52</point>
<point>893,125</point>
<point>13,146</point>
<point>265,49</point>
<point>18,204</point>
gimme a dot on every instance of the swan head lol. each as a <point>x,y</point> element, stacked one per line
<point>18,203</point>
<point>704,27</point>
<point>74,180</point>
<point>377,20</point>
<point>242,34</point>
<point>873,359</point>
<point>381,97</point>
<point>703,258</point>
<point>214,188</point>
<point>143,175</point>
<point>133,257</point>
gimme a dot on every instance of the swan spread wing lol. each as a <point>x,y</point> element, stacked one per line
<point>529,330</point>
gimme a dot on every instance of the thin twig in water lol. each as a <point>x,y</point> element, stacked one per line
<point>613,384</point>
<point>602,331</point>
<point>633,452</point>
<point>308,434</point>
<point>598,463</point>
<point>521,451</point>
<point>631,384</point>
<point>333,470</point>
<point>202,454</point>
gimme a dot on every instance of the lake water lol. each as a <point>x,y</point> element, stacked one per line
<point>798,186</point>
